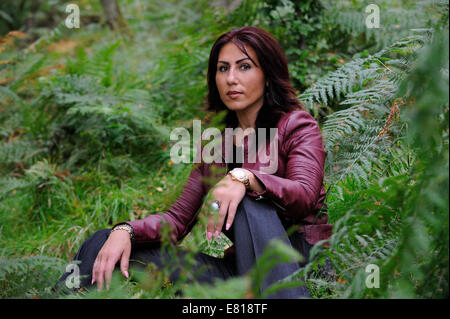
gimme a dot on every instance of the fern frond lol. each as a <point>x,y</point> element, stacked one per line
<point>353,136</point>
<point>395,22</point>
<point>29,277</point>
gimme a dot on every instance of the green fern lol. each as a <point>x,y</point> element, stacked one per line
<point>349,18</point>
<point>398,218</point>
<point>352,135</point>
<point>29,277</point>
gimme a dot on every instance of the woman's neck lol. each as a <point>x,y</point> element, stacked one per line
<point>247,118</point>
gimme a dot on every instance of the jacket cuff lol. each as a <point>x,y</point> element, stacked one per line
<point>252,193</point>
<point>277,190</point>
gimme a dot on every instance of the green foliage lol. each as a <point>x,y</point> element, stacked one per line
<point>29,277</point>
<point>222,289</point>
<point>423,245</point>
<point>348,20</point>
<point>367,87</point>
<point>22,14</point>
<point>298,26</point>
<point>396,215</point>
<point>276,252</point>
<point>85,117</point>
<point>250,285</point>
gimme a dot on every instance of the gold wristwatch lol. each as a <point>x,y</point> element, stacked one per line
<point>240,175</point>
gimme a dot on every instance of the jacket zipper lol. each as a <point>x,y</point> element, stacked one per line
<point>273,202</point>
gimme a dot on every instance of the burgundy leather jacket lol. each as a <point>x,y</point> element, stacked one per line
<point>296,190</point>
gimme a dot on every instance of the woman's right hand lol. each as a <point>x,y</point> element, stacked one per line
<point>117,247</point>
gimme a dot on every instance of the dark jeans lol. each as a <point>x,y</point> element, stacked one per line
<point>255,224</point>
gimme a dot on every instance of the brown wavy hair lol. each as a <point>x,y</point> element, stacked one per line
<point>279,96</point>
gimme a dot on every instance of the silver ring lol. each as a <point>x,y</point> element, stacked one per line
<point>215,205</point>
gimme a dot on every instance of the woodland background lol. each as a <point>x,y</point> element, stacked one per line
<point>86,113</point>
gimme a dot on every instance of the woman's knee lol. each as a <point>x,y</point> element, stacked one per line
<point>101,234</point>
<point>94,243</point>
<point>250,207</point>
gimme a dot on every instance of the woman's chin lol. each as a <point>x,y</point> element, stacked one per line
<point>236,109</point>
<point>236,106</point>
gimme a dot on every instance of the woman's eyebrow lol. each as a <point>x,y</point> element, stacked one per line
<point>225,62</point>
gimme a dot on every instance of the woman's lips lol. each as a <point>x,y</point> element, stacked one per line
<point>234,95</point>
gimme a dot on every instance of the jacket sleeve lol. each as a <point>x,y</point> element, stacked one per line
<point>299,190</point>
<point>181,216</point>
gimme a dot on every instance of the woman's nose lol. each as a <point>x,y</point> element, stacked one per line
<point>231,77</point>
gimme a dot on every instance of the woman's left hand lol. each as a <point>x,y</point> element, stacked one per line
<point>229,193</point>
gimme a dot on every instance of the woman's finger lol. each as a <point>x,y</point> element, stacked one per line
<point>214,218</point>
<point>124,261</point>
<point>108,273</point>
<point>221,218</point>
<point>210,224</point>
<point>94,270</point>
<point>99,276</point>
<point>231,213</point>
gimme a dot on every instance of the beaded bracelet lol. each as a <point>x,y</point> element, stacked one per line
<point>126,227</point>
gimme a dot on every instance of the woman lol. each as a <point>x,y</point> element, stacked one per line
<point>248,78</point>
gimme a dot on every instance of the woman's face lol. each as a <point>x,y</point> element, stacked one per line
<point>237,74</point>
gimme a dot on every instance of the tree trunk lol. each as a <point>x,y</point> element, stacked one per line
<point>114,17</point>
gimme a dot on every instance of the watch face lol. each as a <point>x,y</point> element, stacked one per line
<point>239,174</point>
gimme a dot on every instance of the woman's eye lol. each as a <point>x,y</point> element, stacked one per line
<point>245,66</point>
<point>222,68</point>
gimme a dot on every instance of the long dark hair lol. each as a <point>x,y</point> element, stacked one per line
<point>279,96</point>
